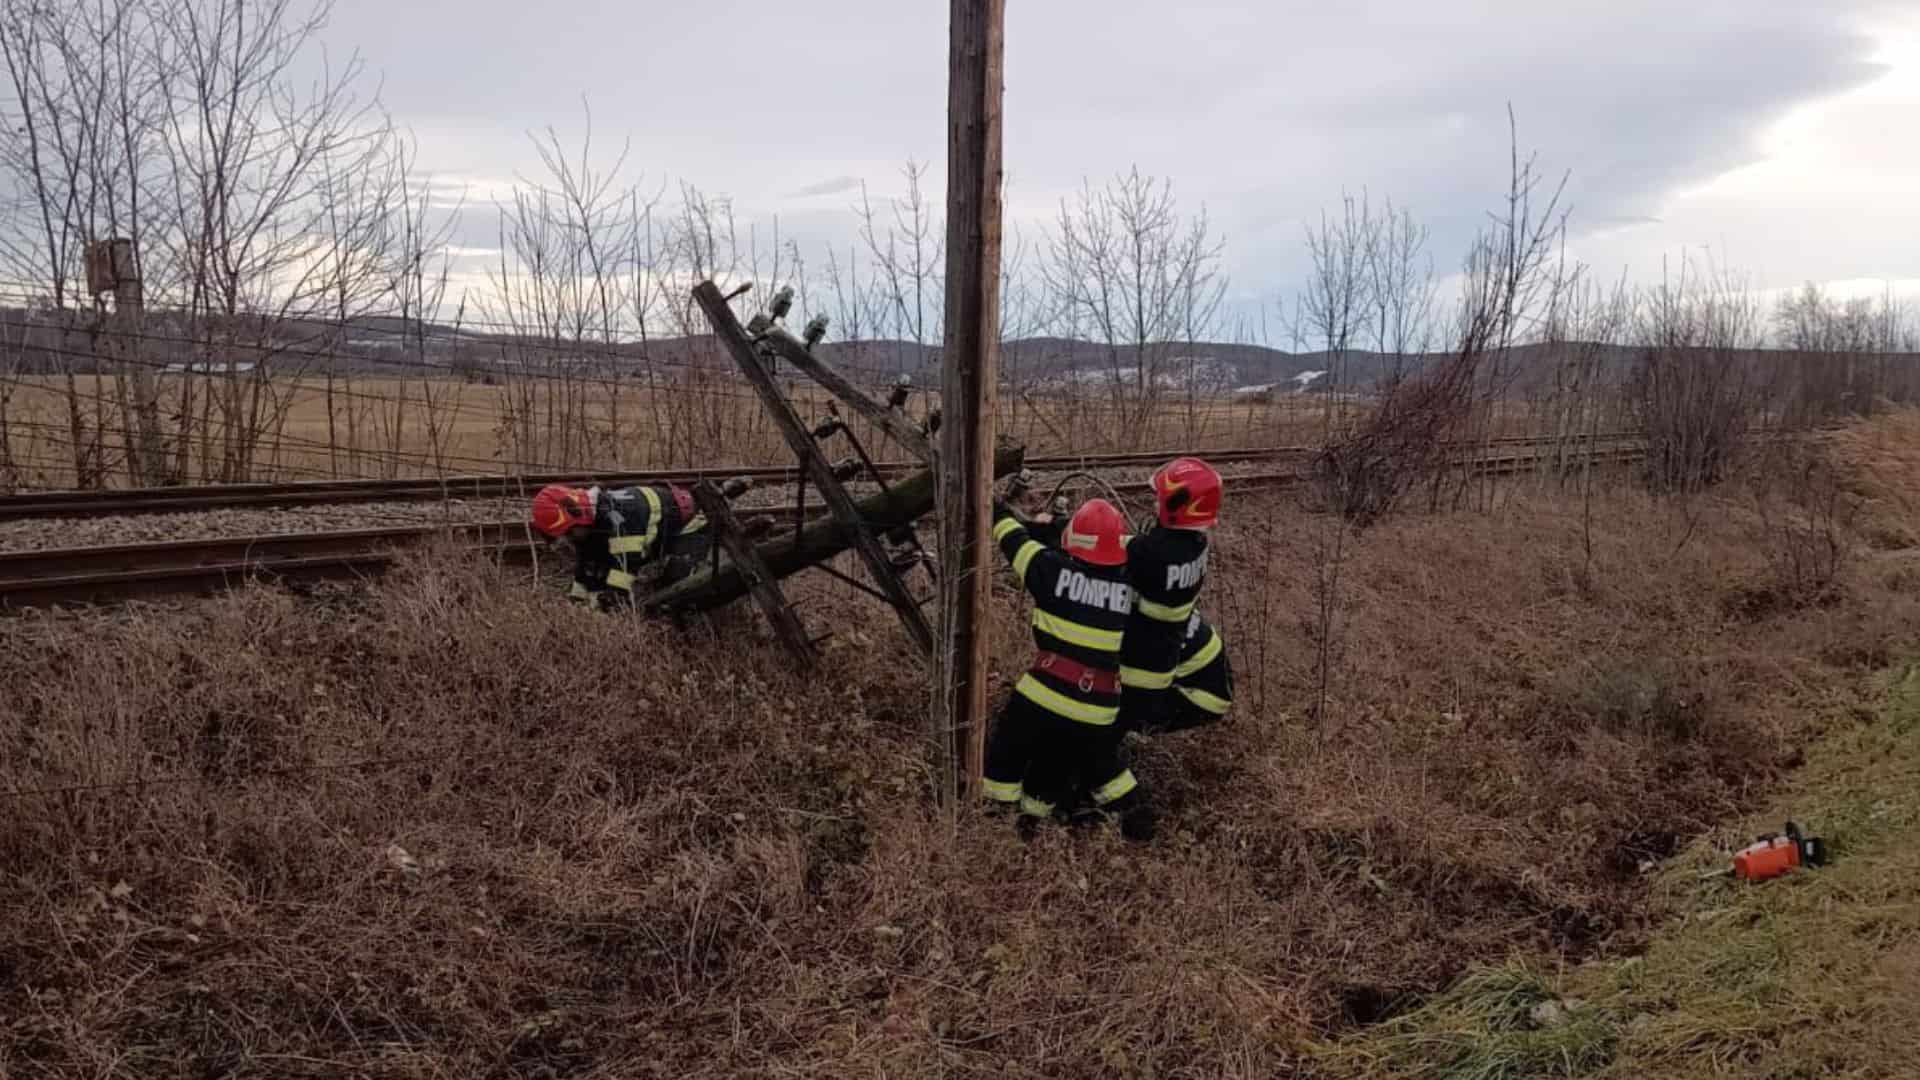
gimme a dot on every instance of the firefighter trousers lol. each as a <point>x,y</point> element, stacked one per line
<point>1194,700</point>
<point>1038,759</point>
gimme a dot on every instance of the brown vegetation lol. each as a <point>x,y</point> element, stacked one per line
<point>409,427</point>
<point>451,826</point>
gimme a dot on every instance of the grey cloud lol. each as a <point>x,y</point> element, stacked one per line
<point>835,186</point>
<point>1263,112</point>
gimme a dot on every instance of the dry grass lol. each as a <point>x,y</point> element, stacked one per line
<point>1809,976</point>
<point>414,427</point>
<point>636,851</point>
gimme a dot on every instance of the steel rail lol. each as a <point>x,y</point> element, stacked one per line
<point>48,505</point>
<point>119,573</point>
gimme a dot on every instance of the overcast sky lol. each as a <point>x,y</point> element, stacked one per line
<point>1782,134</point>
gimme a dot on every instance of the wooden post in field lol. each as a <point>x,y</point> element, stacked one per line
<point>969,373</point>
<point>112,267</point>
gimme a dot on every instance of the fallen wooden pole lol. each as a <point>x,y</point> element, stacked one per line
<point>905,502</point>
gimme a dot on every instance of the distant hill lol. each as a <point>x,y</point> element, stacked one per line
<point>377,344</point>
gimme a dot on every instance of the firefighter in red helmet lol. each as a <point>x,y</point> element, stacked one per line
<point>1060,727</point>
<point>614,532</point>
<point>1202,685</point>
<point>1166,565</point>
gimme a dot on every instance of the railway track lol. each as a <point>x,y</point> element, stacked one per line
<point>120,573</point>
<point>173,500</point>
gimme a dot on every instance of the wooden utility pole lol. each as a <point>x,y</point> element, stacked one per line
<point>904,502</point>
<point>969,374</point>
<point>112,266</point>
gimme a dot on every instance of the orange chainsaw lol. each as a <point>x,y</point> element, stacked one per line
<point>1774,854</point>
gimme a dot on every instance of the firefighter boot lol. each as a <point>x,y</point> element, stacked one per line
<point>1139,822</point>
<point>1028,827</point>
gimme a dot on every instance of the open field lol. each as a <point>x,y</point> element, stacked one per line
<point>451,826</point>
<point>412,427</point>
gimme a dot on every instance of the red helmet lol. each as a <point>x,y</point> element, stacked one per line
<point>1188,491</point>
<point>558,508</point>
<point>1097,534</point>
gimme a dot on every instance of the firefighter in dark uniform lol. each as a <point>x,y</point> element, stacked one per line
<point>615,532</point>
<point>1202,685</point>
<point>1167,565</point>
<point>1060,727</point>
<point>1202,676</point>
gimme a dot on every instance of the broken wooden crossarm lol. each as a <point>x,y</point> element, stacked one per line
<point>892,421</point>
<point>766,590</point>
<point>904,503</point>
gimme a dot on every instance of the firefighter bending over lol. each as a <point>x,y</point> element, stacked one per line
<point>1060,726</point>
<point>616,532</point>
<point>1167,565</point>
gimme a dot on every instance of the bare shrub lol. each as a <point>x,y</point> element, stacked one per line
<point>1806,520</point>
<point>1693,389</point>
<point>1367,280</point>
<point>1656,697</point>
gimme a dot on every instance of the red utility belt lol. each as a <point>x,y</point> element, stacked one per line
<point>1088,679</point>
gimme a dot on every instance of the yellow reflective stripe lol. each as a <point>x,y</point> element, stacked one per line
<point>654,512</point>
<point>580,592</point>
<point>1001,791</point>
<point>1034,807</point>
<point>1213,703</point>
<point>642,543</point>
<point>1205,656</point>
<point>1077,633</point>
<point>1141,679</point>
<point>621,580</point>
<point>1115,788</point>
<point>1061,705</point>
<point>1024,557</point>
<point>1164,613</point>
<point>1002,527</point>
<point>699,522</point>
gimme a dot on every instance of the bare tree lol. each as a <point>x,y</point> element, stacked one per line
<point>188,128</point>
<point>1369,283</point>
<point>82,122</point>
<point>1843,353</point>
<point>1694,389</point>
<point>1129,272</point>
<point>909,257</point>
